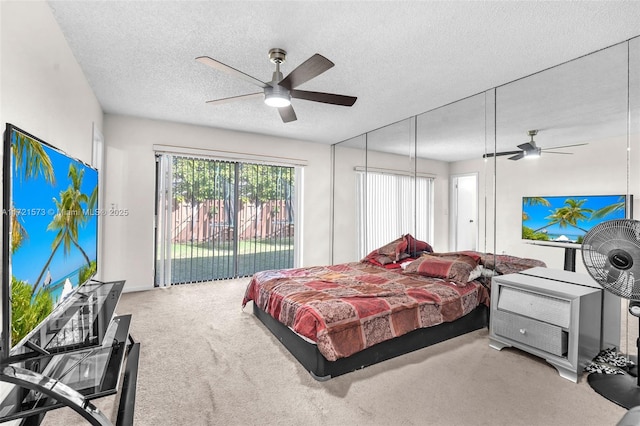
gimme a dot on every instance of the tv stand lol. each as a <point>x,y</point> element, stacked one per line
<point>73,373</point>
<point>570,259</point>
<point>569,251</point>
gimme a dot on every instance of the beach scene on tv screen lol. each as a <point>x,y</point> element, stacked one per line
<point>568,218</point>
<point>53,229</point>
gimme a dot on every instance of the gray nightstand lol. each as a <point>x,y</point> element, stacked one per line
<point>555,320</point>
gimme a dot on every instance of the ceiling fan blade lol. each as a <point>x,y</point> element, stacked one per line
<point>230,70</point>
<point>564,146</point>
<point>287,114</point>
<point>527,146</point>
<point>327,98</point>
<point>312,67</point>
<point>554,152</point>
<point>235,98</point>
<point>499,154</point>
<point>517,156</point>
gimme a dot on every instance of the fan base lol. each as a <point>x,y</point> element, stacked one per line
<point>277,56</point>
<point>622,389</point>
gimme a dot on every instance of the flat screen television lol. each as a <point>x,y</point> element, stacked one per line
<point>50,232</point>
<point>566,219</point>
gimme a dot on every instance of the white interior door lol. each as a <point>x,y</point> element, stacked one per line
<point>464,209</point>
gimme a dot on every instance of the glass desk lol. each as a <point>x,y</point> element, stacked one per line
<point>78,354</point>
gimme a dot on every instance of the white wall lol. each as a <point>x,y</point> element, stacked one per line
<point>345,229</point>
<point>43,90</point>
<point>130,184</point>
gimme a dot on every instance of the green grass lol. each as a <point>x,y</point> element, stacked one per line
<point>202,262</point>
<point>189,250</point>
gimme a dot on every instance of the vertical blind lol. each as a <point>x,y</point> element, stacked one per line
<point>222,219</point>
<point>390,205</point>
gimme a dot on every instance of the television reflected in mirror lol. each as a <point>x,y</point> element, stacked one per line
<point>566,219</point>
<point>50,235</point>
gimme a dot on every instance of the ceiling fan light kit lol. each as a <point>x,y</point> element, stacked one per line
<point>531,154</point>
<point>277,97</point>
<point>279,91</point>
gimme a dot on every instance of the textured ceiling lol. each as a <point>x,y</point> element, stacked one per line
<point>399,58</point>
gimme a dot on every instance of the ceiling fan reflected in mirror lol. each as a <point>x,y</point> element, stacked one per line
<point>279,91</point>
<point>531,150</point>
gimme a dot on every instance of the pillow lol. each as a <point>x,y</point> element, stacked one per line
<point>388,253</point>
<point>455,267</point>
<point>477,256</point>
<point>414,246</point>
<point>382,260</point>
<point>394,249</point>
<point>397,250</point>
<point>475,273</point>
<point>507,264</point>
<point>488,272</point>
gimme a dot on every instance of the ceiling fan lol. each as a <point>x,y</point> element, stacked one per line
<point>530,149</point>
<point>279,91</point>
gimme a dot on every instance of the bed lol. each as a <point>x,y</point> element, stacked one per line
<point>339,318</point>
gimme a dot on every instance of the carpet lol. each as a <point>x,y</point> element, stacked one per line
<point>205,361</point>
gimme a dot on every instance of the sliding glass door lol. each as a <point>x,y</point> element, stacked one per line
<point>221,219</point>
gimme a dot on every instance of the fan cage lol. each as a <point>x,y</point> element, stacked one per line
<point>598,247</point>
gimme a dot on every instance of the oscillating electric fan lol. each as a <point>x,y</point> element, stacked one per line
<point>611,254</point>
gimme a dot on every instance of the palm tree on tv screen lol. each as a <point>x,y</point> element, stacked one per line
<point>533,201</point>
<point>27,310</point>
<point>568,215</point>
<point>611,208</point>
<point>536,201</point>
<point>18,233</point>
<point>70,214</point>
<point>30,157</point>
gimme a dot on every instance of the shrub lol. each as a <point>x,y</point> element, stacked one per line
<point>27,312</point>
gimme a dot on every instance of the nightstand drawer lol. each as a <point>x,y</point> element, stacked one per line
<point>540,335</point>
<point>534,305</point>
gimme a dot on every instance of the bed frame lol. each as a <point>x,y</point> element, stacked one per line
<point>321,369</point>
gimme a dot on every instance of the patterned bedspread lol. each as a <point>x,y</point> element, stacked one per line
<point>348,307</point>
